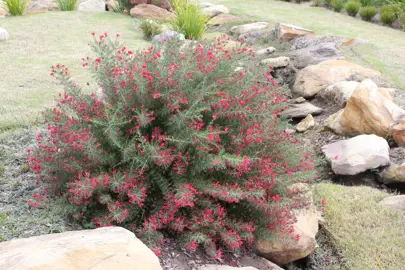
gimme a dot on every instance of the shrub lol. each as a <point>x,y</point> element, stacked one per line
<point>366,3</point>
<point>189,19</point>
<point>176,143</point>
<point>337,5</point>
<point>367,13</point>
<point>402,19</point>
<point>328,2</point>
<point>15,7</point>
<point>387,16</point>
<point>120,5</point>
<point>150,29</point>
<point>318,3</point>
<point>352,8</point>
<point>388,9</point>
<point>66,5</point>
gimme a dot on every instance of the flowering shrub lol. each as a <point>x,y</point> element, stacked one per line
<point>177,142</point>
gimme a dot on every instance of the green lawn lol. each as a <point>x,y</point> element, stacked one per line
<point>39,41</point>
<point>385,51</point>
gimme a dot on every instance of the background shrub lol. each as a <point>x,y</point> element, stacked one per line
<point>189,19</point>
<point>402,19</point>
<point>15,7</point>
<point>318,3</point>
<point>328,2</point>
<point>176,142</point>
<point>367,13</point>
<point>150,29</point>
<point>337,5</point>
<point>120,5</point>
<point>352,8</point>
<point>66,5</point>
<point>388,14</point>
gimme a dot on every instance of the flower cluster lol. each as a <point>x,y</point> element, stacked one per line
<point>174,142</point>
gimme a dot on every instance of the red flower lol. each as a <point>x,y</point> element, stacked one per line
<point>156,95</point>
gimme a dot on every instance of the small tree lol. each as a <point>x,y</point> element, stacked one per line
<point>178,143</point>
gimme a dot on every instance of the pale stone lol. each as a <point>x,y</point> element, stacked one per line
<point>253,36</point>
<point>333,122</point>
<point>278,62</point>
<point>212,11</point>
<point>315,54</point>
<point>245,28</point>
<point>167,36</point>
<point>358,154</point>
<point>40,6</point>
<point>369,110</point>
<point>301,110</point>
<point>299,100</point>
<point>282,253</point>
<point>394,202</point>
<point>145,11</point>
<point>3,34</point>
<point>287,32</point>
<point>100,249</point>
<point>338,93</point>
<point>265,51</point>
<point>307,123</point>
<point>312,79</point>
<point>3,12</point>
<point>223,18</point>
<point>92,5</point>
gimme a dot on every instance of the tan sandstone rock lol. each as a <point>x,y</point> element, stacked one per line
<point>393,174</point>
<point>277,62</point>
<point>250,27</point>
<point>146,11</point>
<point>312,79</point>
<point>306,123</point>
<point>215,10</point>
<point>287,32</point>
<point>283,253</point>
<point>100,249</point>
<point>223,18</point>
<point>398,132</point>
<point>369,110</point>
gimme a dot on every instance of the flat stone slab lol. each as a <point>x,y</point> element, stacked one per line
<point>301,110</point>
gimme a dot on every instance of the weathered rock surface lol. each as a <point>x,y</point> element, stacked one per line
<point>394,202</point>
<point>312,41</point>
<point>312,79</point>
<point>3,12</point>
<point>287,32</point>
<point>92,5</point>
<point>223,18</point>
<point>39,6</point>
<point>246,28</point>
<point>358,154</point>
<point>315,54</point>
<point>215,10</point>
<point>338,93</point>
<point>3,34</point>
<point>283,253</point>
<point>301,110</point>
<point>305,124</point>
<point>167,36</point>
<point>277,62</point>
<point>265,51</point>
<point>393,174</point>
<point>299,100</point>
<point>369,110</point>
<point>398,132</point>
<point>224,267</point>
<point>260,34</point>
<point>100,249</point>
<point>146,11</point>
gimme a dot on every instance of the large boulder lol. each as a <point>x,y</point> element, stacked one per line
<point>369,110</point>
<point>246,28</point>
<point>40,6</point>
<point>393,174</point>
<point>215,10</point>
<point>358,154</point>
<point>301,110</point>
<point>92,5</point>
<point>277,62</point>
<point>312,79</point>
<point>252,37</point>
<point>146,11</point>
<point>223,18</point>
<point>224,267</point>
<point>394,202</point>
<point>287,32</point>
<point>338,93</point>
<point>315,54</point>
<point>100,249</point>
<point>3,34</point>
<point>306,226</point>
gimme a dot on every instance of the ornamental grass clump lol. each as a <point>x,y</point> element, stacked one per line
<point>175,143</point>
<point>66,5</point>
<point>14,7</point>
<point>352,8</point>
<point>367,13</point>
<point>337,5</point>
<point>150,29</point>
